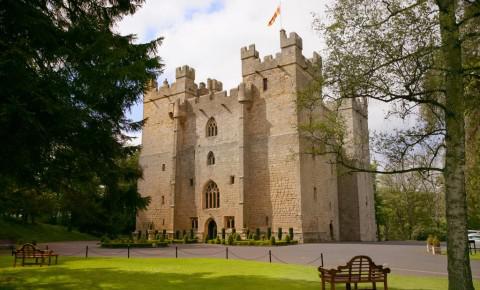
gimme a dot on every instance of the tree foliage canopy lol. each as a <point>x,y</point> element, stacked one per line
<point>421,58</point>
<point>67,78</point>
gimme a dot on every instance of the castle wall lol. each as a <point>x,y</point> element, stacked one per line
<point>264,177</point>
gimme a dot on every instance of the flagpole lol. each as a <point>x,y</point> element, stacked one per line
<point>281,12</point>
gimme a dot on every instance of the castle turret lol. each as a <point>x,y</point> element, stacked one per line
<point>185,82</point>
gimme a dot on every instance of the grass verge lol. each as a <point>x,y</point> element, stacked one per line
<point>40,233</point>
<point>188,274</point>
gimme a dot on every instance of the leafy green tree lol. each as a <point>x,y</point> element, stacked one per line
<point>386,51</point>
<point>67,78</point>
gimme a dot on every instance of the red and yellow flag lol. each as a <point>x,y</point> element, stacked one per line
<point>275,15</point>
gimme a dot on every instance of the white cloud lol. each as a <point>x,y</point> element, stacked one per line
<point>208,34</point>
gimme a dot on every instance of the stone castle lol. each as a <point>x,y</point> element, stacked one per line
<point>213,160</point>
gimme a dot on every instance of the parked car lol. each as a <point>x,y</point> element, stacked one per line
<point>475,237</point>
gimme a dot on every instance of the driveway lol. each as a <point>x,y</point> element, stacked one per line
<point>409,258</point>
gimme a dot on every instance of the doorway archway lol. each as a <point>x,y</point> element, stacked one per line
<point>211,229</point>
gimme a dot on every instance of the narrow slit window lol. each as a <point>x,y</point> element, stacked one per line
<point>210,158</point>
<point>163,167</point>
<point>232,179</point>
<point>265,84</point>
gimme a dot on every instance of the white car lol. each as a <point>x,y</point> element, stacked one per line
<point>475,237</point>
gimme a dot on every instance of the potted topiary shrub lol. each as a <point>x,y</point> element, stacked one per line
<point>279,234</point>
<point>269,233</point>
<point>223,233</point>
<point>437,250</point>
<point>430,244</point>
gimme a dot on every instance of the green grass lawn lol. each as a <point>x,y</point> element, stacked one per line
<point>40,233</point>
<point>157,273</point>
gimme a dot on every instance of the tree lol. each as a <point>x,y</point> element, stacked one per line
<point>388,51</point>
<point>67,79</point>
<point>412,206</point>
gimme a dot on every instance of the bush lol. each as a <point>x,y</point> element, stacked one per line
<point>257,232</point>
<point>192,234</point>
<point>223,233</point>
<point>164,233</point>
<point>272,241</point>
<point>279,234</point>
<point>263,238</point>
<point>269,233</point>
<point>185,239</point>
<point>436,242</point>
<point>205,238</point>
<point>247,234</point>
<point>177,235</point>
<point>290,233</point>
<point>217,240</point>
<point>230,240</point>
<point>255,237</point>
<point>287,239</point>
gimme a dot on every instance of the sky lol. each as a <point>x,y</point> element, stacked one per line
<point>208,34</point>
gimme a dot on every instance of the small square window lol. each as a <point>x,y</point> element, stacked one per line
<point>191,181</point>
<point>232,179</point>
<point>163,167</point>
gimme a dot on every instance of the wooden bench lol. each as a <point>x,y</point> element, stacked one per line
<point>360,269</point>
<point>31,255</point>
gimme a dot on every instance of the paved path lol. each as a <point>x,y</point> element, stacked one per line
<point>402,257</point>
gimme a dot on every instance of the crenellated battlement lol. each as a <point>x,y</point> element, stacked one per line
<point>291,53</point>
<point>248,52</point>
<point>186,72</point>
<point>292,40</point>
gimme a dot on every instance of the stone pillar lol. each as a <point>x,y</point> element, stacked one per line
<point>244,100</point>
<point>177,115</point>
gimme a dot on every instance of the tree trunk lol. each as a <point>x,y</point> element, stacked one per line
<point>459,271</point>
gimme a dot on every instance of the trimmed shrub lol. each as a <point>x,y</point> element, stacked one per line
<point>185,239</point>
<point>290,233</point>
<point>192,234</point>
<point>255,237</point>
<point>184,233</point>
<point>205,238</point>
<point>247,234</point>
<point>177,235</point>
<point>238,237</point>
<point>234,230</point>
<point>279,234</point>
<point>223,233</point>
<point>257,232</point>
<point>287,238</point>
<point>269,233</point>
<point>272,241</point>
<point>164,234</point>
<point>230,240</point>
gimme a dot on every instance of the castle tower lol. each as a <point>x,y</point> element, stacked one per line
<point>214,160</point>
<point>355,190</point>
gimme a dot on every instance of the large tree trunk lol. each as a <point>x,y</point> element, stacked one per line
<point>459,271</point>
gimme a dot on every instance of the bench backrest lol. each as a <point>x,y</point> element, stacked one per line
<point>362,268</point>
<point>28,249</point>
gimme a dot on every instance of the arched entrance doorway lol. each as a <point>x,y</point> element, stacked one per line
<point>211,229</point>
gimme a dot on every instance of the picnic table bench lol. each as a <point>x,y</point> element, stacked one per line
<point>360,269</point>
<point>31,255</point>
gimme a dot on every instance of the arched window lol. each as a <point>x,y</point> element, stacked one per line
<point>210,158</point>
<point>211,127</point>
<point>212,195</point>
